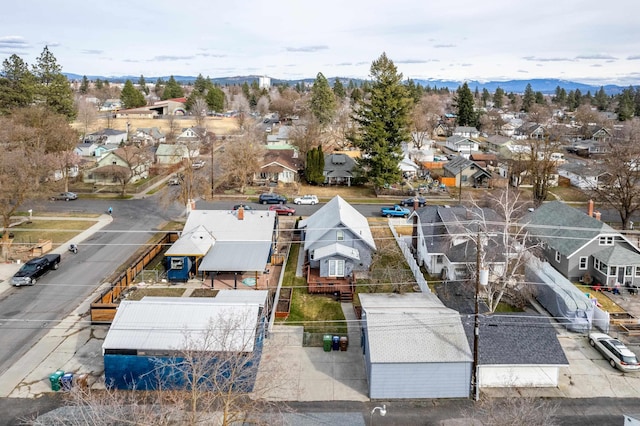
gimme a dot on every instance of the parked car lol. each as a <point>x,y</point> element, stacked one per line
<point>395,211</point>
<point>409,201</point>
<point>175,180</point>
<point>306,199</point>
<point>283,210</point>
<point>198,164</point>
<point>618,355</point>
<point>66,196</point>
<point>270,198</point>
<point>34,269</point>
<point>244,206</point>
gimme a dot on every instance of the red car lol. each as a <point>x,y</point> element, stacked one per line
<point>282,209</point>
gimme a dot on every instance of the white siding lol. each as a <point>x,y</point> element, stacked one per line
<point>499,376</point>
<point>420,380</point>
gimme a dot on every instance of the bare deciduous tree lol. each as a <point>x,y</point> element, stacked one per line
<point>621,187</point>
<point>306,136</point>
<point>533,163</point>
<point>505,247</point>
<point>87,115</point>
<point>424,119</point>
<point>199,110</point>
<point>241,160</point>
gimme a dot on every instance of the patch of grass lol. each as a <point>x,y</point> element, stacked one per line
<point>505,307</point>
<point>139,293</point>
<point>58,231</point>
<point>204,292</point>
<point>316,313</point>
<point>603,300</point>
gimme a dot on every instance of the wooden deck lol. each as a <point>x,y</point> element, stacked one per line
<point>345,287</point>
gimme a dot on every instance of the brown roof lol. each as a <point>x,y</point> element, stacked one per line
<point>285,157</point>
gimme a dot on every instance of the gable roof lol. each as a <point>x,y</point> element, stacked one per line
<point>564,228</point>
<point>459,164</point>
<point>516,339</point>
<point>413,327</point>
<point>338,165</point>
<point>334,214</point>
<point>196,242</point>
<point>286,158</point>
<point>235,244</point>
<point>457,140</point>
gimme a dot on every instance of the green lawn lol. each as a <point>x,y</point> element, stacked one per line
<point>58,231</point>
<point>317,313</point>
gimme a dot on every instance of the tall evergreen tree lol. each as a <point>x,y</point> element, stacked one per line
<point>53,88</point>
<point>498,98</point>
<point>486,96</point>
<point>626,107</point>
<point>601,100</point>
<point>131,97</point>
<point>142,85</point>
<point>322,103</point>
<point>464,103</point>
<point>17,84</point>
<point>528,98</point>
<point>215,99</point>
<point>84,85</point>
<point>338,89</point>
<point>98,84</point>
<point>382,124</point>
<point>172,89</point>
<point>539,98</point>
<point>315,166</point>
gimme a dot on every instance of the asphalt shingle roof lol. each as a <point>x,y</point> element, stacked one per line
<point>564,228</point>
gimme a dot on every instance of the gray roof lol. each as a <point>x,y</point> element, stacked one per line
<point>447,230</point>
<point>195,242</point>
<point>237,256</point>
<point>182,323</point>
<point>336,248</point>
<point>334,214</point>
<point>338,165</point>
<point>516,339</point>
<point>458,164</point>
<point>564,228</point>
<point>457,139</point>
<point>617,255</point>
<point>416,328</point>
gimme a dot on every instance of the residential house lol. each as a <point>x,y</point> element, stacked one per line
<point>461,145</point>
<point>484,160</point>
<point>338,169</point>
<point>530,131</point>
<point>467,173</point>
<point>441,130</point>
<point>577,244</point>
<point>281,139</point>
<point>596,133</point>
<point>148,136</point>
<point>445,240</point>
<point>584,176</point>
<point>86,149</point>
<point>129,164</point>
<point>496,143</point>
<point>111,105</point>
<point>516,350</point>
<point>338,245</point>
<point>466,132</point>
<point>414,347</point>
<point>192,135</point>
<point>507,129</point>
<point>149,337</point>
<point>219,242</point>
<point>169,154</point>
<point>589,147</point>
<point>108,137</point>
<point>279,166</point>
<point>408,168</point>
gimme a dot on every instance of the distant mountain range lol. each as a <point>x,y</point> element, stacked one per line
<point>544,85</point>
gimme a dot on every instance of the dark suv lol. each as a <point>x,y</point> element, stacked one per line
<point>272,199</point>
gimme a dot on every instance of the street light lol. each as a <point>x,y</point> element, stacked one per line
<point>383,412</point>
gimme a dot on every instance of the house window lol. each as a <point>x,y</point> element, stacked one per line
<point>637,271</point>
<point>628,271</point>
<point>439,258</point>
<point>339,235</point>
<point>465,178</point>
<point>584,262</point>
<point>177,263</point>
<point>336,268</point>
<point>557,256</point>
<point>605,241</point>
<point>613,270</point>
<point>596,264</point>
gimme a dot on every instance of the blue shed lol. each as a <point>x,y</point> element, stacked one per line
<point>178,268</point>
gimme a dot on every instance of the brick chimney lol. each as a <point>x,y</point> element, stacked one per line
<point>241,213</point>
<point>590,208</point>
<point>596,215</point>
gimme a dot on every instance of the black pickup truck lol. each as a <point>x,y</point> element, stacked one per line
<point>34,269</point>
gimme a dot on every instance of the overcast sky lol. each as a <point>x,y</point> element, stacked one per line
<point>590,41</point>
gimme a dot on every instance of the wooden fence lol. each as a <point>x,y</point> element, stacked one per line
<point>103,308</point>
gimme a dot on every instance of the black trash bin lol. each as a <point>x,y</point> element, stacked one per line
<point>336,343</point>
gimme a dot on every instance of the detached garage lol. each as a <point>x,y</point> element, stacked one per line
<point>414,347</point>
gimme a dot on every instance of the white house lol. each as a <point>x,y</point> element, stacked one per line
<point>462,145</point>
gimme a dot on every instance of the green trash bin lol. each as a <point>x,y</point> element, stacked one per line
<point>55,379</point>
<point>326,342</point>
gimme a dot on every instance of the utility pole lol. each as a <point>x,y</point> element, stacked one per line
<point>476,322</point>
